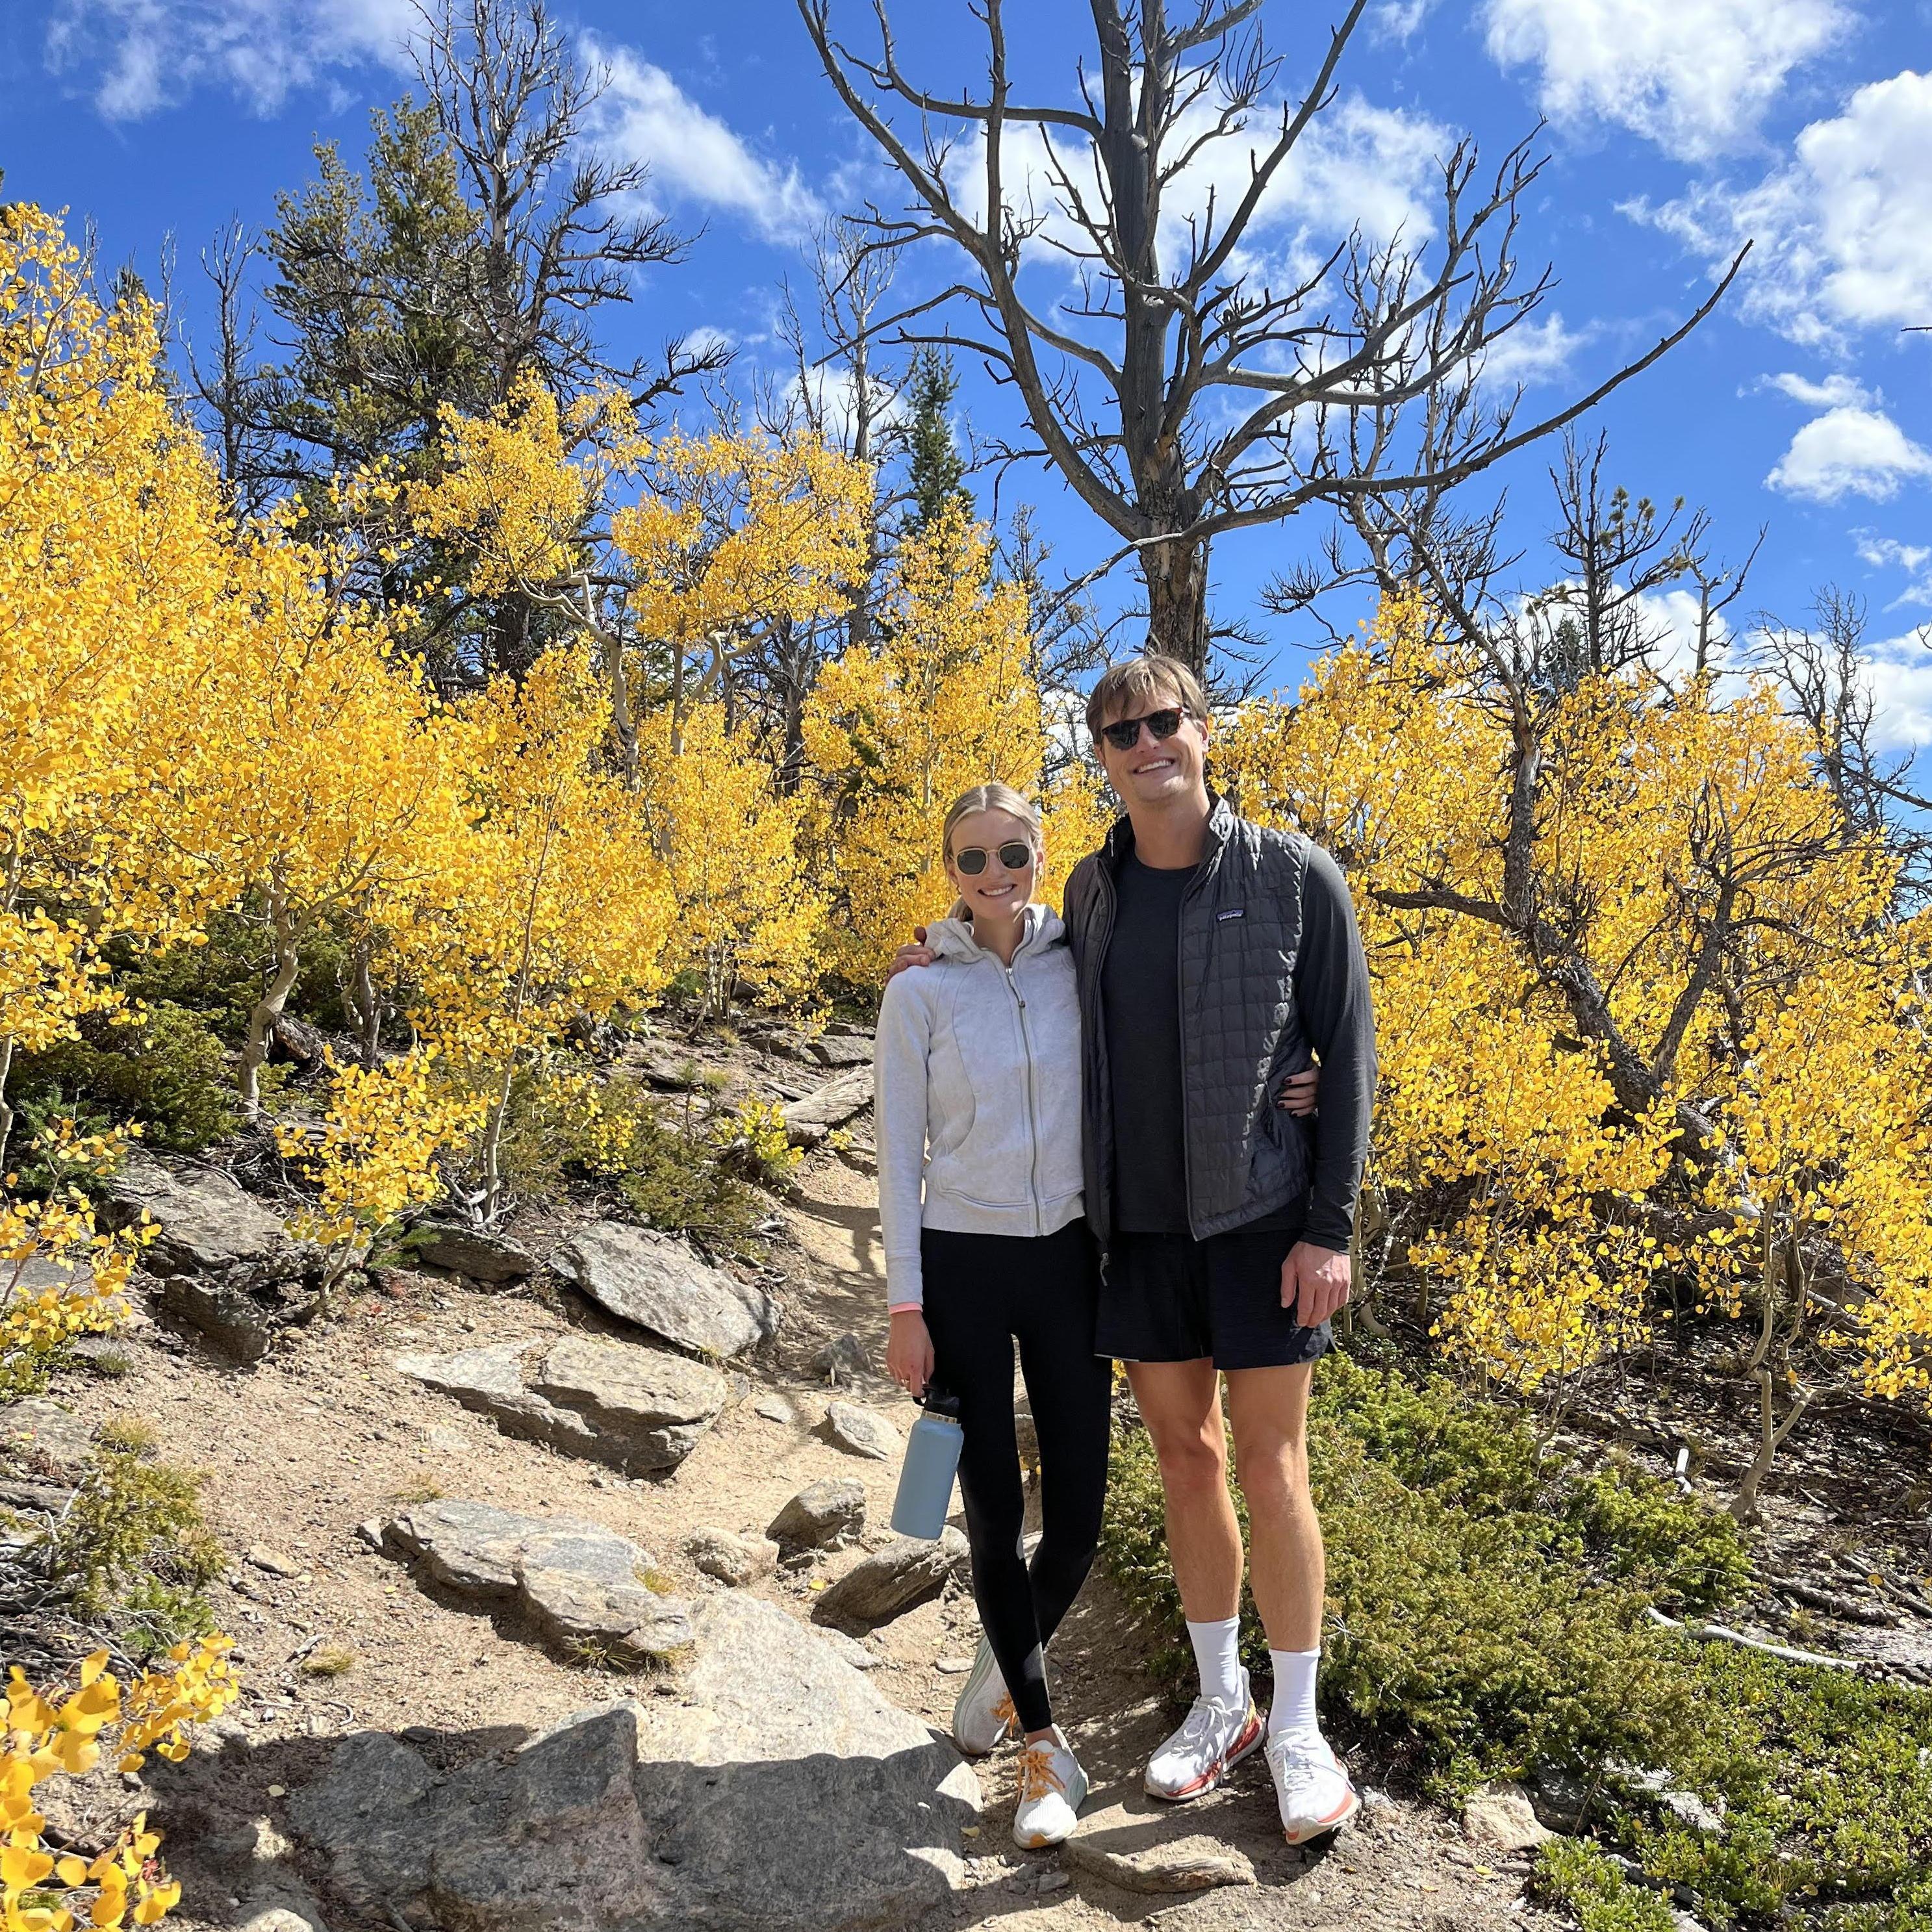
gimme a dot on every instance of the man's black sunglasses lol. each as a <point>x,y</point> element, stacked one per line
<point>1125,734</point>
<point>971,859</point>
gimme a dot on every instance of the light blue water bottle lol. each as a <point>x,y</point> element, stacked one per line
<point>931,1459</point>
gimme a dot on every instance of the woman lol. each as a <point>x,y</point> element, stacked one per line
<point>978,1096</point>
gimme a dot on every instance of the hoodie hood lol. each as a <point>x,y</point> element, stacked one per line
<point>952,938</point>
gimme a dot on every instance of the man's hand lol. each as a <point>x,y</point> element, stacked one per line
<point>1298,1092</point>
<point>909,1350</point>
<point>1314,1282</point>
<point>917,954</point>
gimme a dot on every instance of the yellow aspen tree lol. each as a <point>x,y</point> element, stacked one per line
<point>730,842</point>
<point>110,565</point>
<point>556,904</point>
<point>895,733</point>
<point>1634,1085</point>
<point>302,768</point>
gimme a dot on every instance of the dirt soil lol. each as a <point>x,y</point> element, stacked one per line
<point>325,1434</point>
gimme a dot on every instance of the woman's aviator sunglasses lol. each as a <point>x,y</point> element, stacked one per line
<point>1124,735</point>
<point>971,859</point>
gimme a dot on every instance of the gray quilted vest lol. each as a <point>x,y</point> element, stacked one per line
<point>1241,1032</point>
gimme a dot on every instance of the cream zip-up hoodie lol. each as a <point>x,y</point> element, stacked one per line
<point>977,1085</point>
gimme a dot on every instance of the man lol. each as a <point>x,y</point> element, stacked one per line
<point>1213,956</point>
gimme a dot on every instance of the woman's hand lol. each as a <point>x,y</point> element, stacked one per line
<point>909,1351</point>
<point>1298,1091</point>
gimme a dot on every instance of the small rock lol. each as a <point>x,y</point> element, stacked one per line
<point>844,1359</point>
<point>810,1120</point>
<point>1500,1816</point>
<point>1129,1846</point>
<point>893,1580</point>
<point>488,1258</point>
<point>280,1917</point>
<point>834,1049</point>
<point>272,1561</point>
<point>823,1515</point>
<point>862,1431</point>
<point>735,1560</point>
<point>953,1667</point>
<point>774,1407</point>
<point>444,1440</point>
<point>370,1530</point>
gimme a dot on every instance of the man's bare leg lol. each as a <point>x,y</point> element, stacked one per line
<point>1180,1403</point>
<point>1268,1409</point>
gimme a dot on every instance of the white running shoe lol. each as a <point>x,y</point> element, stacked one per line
<point>983,1717</point>
<point>1312,1789</point>
<point>1052,1789</point>
<point>1212,1741</point>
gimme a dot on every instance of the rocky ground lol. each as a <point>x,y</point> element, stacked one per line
<point>483,1533</point>
<point>565,1602</point>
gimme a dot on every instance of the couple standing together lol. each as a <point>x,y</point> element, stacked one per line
<point>1097,1139</point>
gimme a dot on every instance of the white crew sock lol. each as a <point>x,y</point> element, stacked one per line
<point>1217,1655</point>
<point>1294,1706</point>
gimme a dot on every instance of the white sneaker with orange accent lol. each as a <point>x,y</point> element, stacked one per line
<point>1312,1789</point>
<point>1052,1789</point>
<point>1212,1741</point>
<point>983,1717</point>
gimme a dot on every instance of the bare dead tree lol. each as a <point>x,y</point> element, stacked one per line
<point>230,388</point>
<point>556,240</point>
<point>1183,403</point>
<point>1823,669</point>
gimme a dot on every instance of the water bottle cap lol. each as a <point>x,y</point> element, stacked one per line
<point>940,1402</point>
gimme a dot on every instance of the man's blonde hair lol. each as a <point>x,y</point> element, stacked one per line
<point>1136,681</point>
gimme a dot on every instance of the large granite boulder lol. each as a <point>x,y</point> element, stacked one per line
<point>227,1263</point>
<point>810,1120</point>
<point>780,1792</point>
<point>660,1285</point>
<point>640,1410</point>
<point>578,1584</point>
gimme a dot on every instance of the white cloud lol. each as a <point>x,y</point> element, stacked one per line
<point>1671,617</point>
<point>1849,452</point>
<point>1534,352</point>
<point>1693,76</point>
<point>145,54</point>
<point>1841,241</point>
<point>1834,392</point>
<point>693,156</point>
<point>1901,670</point>
<point>1887,554</point>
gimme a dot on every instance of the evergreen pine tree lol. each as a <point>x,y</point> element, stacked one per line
<point>936,472</point>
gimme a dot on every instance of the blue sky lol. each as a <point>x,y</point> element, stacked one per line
<point>1676,129</point>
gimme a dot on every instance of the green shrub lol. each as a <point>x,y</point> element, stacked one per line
<point>163,1067</point>
<point>565,1129</point>
<point>134,1551</point>
<point>1825,1783</point>
<point>1452,1636</point>
<point>1485,1618</point>
<point>1580,1879</point>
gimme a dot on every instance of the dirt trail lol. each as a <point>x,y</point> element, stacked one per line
<point>304,1447</point>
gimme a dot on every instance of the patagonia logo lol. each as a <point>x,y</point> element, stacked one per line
<point>1233,912</point>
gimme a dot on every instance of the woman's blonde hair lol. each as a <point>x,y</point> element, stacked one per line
<point>993,797</point>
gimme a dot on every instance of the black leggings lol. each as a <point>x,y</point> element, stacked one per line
<point>982,1292</point>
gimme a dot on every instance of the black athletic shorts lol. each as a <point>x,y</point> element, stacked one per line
<point>1171,1298</point>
